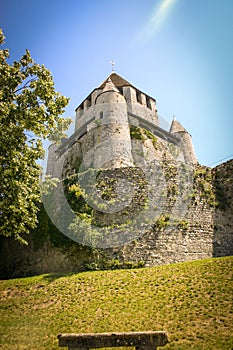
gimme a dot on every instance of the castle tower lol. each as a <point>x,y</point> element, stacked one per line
<point>138,103</point>
<point>113,144</point>
<point>186,139</point>
<point>102,137</point>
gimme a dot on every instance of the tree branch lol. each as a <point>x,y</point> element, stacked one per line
<point>25,85</point>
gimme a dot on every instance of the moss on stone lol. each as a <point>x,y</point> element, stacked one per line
<point>162,222</point>
<point>136,133</point>
<point>142,134</point>
<point>203,186</point>
<point>151,136</point>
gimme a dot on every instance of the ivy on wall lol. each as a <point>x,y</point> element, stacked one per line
<point>204,187</point>
<point>203,194</point>
<point>142,134</point>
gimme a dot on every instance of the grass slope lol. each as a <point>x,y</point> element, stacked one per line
<point>191,301</point>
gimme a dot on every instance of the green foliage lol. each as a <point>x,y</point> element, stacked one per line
<point>136,133</point>
<point>107,188</point>
<point>142,134</point>
<point>191,301</point>
<point>162,222</point>
<point>183,224</point>
<point>134,265</point>
<point>170,172</point>
<point>222,186</point>
<point>115,264</point>
<point>203,187</point>
<point>151,136</point>
<point>75,196</point>
<point>83,225</point>
<point>46,231</point>
<point>222,202</point>
<point>48,184</point>
<point>172,190</point>
<point>29,112</point>
<point>41,232</point>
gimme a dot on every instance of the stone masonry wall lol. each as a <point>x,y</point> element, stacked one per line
<point>176,233</point>
<point>223,215</point>
<point>202,229</point>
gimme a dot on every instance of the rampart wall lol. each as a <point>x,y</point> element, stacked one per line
<point>204,230</point>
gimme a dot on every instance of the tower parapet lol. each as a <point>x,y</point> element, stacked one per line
<point>102,137</point>
<point>137,102</point>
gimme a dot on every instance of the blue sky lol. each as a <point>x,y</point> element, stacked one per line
<point>178,51</point>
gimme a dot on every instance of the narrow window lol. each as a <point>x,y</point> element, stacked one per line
<point>89,101</point>
<point>101,115</point>
<point>139,97</point>
<point>120,90</point>
<point>81,110</point>
<point>148,103</point>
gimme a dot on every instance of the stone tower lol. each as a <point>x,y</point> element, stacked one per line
<point>113,144</point>
<point>102,137</point>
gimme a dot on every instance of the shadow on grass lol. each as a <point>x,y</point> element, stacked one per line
<point>56,275</point>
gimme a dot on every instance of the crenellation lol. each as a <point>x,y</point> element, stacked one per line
<point>152,104</point>
<point>94,96</point>
<point>143,100</point>
<point>130,95</point>
<point>137,103</point>
<point>86,104</point>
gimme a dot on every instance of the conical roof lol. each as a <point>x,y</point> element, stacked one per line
<point>109,86</point>
<point>176,127</point>
<point>117,80</point>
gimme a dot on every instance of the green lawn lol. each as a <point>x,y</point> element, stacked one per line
<point>191,301</point>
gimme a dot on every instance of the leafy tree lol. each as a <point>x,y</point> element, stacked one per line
<point>30,110</point>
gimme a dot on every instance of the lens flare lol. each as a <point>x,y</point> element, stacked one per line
<point>159,16</point>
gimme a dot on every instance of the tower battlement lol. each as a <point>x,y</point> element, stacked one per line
<point>137,101</point>
<point>102,136</point>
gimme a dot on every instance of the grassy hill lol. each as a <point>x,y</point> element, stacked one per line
<point>191,301</point>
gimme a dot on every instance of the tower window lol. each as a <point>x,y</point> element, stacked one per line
<point>139,96</point>
<point>89,101</point>
<point>120,90</point>
<point>148,103</point>
<point>101,115</point>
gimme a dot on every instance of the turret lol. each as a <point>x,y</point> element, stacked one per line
<point>113,146</point>
<point>186,141</point>
<point>138,103</point>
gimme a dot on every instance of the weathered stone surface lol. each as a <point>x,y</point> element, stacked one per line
<point>207,231</point>
<point>145,340</point>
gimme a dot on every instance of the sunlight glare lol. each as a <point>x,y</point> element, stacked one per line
<point>157,19</point>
